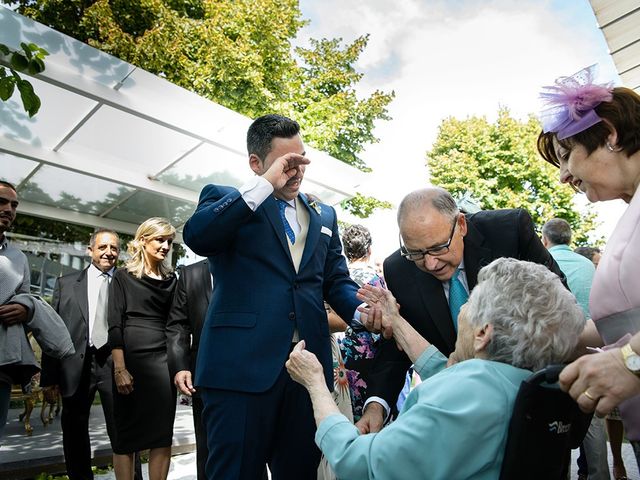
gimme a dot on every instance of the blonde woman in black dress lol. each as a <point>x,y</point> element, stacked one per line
<point>145,403</point>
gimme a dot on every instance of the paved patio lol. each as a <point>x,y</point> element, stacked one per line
<point>23,456</point>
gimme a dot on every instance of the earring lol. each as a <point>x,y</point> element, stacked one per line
<point>610,147</point>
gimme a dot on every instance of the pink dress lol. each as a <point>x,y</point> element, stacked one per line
<point>616,288</point>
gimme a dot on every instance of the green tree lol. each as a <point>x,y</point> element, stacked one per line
<point>325,101</point>
<point>30,59</point>
<point>498,164</point>
<point>236,53</point>
<point>363,206</point>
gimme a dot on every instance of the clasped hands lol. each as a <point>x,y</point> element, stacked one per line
<point>381,312</point>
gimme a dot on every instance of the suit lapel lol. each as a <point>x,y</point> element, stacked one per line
<point>313,234</point>
<point>435,303</point>
<point>80,295</point>
<point>476,255</point>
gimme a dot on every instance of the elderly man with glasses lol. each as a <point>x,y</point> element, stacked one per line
<point>433,272</point>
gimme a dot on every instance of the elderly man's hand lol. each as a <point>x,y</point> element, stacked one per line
<point>599,381</point>
<point>304,367</point>
<point>13,313</point>
<point>372,419</point>
<point>381,312</point>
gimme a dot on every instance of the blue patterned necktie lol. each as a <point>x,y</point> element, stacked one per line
<point>282,205</point>
<point>458,296</point>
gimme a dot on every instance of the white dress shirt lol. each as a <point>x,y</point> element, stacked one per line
<point>94,280</point>
<point>257,190</point>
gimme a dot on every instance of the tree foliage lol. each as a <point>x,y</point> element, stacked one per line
<point>31,60</point>
<point>498,164</point>
<point>237,53</point>
<point>363,206</point>
<point>326,103</point>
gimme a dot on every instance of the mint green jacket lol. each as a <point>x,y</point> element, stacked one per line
<point>453,426</point>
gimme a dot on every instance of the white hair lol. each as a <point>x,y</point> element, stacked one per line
<point>536,320</point>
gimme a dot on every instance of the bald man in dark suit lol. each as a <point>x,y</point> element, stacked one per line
<point>440,246</point>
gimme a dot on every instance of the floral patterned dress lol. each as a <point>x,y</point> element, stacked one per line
<point>358,347</point>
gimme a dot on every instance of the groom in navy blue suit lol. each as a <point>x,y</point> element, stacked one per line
<point>276,257</point>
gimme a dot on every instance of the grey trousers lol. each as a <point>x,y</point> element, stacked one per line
<point>595,448</point>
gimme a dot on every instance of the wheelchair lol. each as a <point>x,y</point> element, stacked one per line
<point>545,426</point>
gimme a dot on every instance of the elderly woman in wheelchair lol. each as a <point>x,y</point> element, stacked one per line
<point>455,424</point>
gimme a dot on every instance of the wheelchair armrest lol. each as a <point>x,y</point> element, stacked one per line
<point>549,374</point>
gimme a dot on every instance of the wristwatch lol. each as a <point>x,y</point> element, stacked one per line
<point>631,359</point>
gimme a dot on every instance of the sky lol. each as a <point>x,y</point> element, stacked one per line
<point>454,58</point>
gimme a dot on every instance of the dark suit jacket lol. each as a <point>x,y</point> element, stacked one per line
<point>188,310</point>
<point>71,303</point>
<point>259,299</point>
<point>491,234</point>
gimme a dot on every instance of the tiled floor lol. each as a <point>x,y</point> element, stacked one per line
<point>44,447</point>
<point>183,467</point>
<point>42,451</point>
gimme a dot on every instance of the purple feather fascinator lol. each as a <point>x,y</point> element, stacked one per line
<point>569,104</point>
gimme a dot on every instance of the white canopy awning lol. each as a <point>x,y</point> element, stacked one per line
<point>113,144</point>
<point>619,20</point>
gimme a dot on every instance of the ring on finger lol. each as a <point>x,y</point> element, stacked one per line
<point>588,395</point>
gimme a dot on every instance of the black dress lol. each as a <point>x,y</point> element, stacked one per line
<point>138,310</point>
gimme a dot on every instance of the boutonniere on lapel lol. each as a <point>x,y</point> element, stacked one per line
<point>315,206</point>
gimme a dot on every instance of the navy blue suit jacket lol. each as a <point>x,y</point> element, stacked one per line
<point>259,298</point>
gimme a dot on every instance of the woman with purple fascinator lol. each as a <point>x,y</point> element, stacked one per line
<point>592,133</point>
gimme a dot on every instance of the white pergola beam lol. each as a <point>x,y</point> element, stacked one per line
<point>49,212</point>
<point>96,169</point>
<point>119,91</point>
<point>180,110</point>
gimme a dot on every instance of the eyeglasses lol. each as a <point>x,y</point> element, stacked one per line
<point>417,255</point>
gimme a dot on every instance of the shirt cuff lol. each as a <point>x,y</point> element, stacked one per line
<point>255,191</point>
<point>356,322</point>
<point>328,423</point>
<point>430,362</point>
<point>381,401</point>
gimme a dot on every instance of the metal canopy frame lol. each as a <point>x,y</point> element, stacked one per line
<point>113,144</point>
<point>619,21</point>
